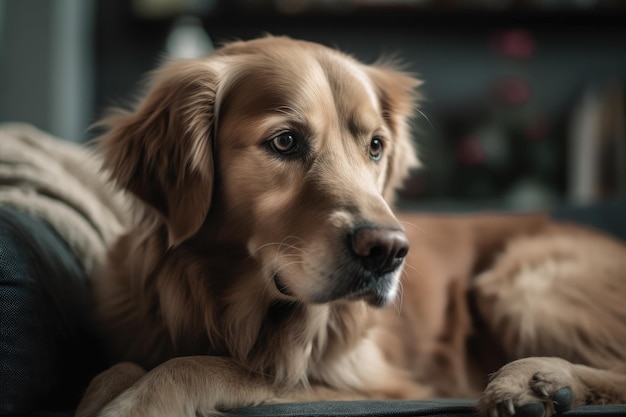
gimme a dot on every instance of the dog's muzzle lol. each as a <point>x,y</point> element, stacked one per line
<point>379,250</point>
<point>367,269</point>
<point>377,255</point>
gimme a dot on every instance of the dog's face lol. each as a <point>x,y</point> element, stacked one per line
<point>289,149</point>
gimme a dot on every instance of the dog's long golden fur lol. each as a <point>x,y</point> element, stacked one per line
<point>266,263</point>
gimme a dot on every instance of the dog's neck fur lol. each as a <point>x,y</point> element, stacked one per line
<point>215,304</point>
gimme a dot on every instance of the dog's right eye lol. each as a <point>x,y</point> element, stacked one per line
<point>285,143</point>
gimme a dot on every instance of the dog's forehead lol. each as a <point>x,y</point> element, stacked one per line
<point>350,85</point>
<point>306,81</point>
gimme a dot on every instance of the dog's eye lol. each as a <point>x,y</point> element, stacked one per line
<point>285,143</point>
<point>376,148</point>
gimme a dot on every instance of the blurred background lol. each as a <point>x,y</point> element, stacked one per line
<point>524,103</point>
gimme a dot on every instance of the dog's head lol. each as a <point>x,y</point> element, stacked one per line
<point>286,148</point>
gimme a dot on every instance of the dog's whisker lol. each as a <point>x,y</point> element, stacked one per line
<point>432,127</point>
<point>399,297</point>
<point>285,246</point>
<point>277,270</point>
<point>419,272</point>
<point>279,244</point>
<point>404,222</point>
<point>286,239</point>
<point>280,250</point>
<point>290,255</point>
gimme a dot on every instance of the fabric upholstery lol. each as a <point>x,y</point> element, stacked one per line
<point>47,355</point>
<point>399,408</point>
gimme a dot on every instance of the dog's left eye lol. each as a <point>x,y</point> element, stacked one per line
<point>376,148</point>
<point>285,143</point>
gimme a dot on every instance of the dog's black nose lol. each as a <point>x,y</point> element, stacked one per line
<point>379,250</point>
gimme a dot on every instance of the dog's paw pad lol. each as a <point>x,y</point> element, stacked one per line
<point>563,399</point>
<point>545,405</point>
<point>532,409</point>
<point>533,387</point>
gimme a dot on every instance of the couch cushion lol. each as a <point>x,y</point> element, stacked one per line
<point>399,408</point>
<point>47,352</point>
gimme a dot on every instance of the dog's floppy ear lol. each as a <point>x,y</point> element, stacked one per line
<point>398,100</point>
<point>162,152</point>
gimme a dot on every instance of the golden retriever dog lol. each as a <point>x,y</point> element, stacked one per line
<point>266,263</point>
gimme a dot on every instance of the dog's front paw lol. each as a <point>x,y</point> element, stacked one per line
<point>531,387</point>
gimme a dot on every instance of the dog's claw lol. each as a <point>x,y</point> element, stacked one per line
<point>544,391</point>
<point>493,412</point>
<point>510,406</point>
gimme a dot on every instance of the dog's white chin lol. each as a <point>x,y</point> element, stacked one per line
<point>383,299</point>
<point>380,292</point>
<point>375,296</point>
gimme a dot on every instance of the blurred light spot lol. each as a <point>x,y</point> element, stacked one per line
<point>188,39</point>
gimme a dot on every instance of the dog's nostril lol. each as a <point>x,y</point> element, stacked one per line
<point>379,250</point>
